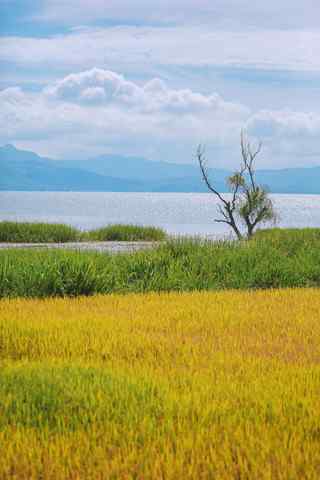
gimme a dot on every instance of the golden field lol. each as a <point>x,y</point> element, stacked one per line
<point>192,386</point>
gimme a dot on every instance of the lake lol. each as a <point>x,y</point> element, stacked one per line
<point>178,213</point>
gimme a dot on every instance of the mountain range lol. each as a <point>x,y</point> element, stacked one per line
<point>26,171</point>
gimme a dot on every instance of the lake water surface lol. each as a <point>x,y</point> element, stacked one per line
<point>178,213</point>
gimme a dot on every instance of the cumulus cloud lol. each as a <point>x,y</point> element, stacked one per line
<point>95,86</point>
<point>12,95</point>
<point>284,124</point>
<point>29,116</point>
<point>288,134</point>
<point>104,87</point>
<point>99,111</point>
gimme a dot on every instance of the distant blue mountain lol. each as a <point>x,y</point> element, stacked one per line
<point>155,176</point>
<point>291,180</point>
<point>26,171</point>
<point>138,168</point>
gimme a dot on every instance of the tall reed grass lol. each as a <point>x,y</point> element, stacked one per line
<point>289,259</point>
<point>25,232</point>
<point>125,233</point>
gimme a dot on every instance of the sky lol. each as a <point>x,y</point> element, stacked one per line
<point>80,78</point>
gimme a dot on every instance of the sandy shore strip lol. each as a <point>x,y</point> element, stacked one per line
<point>108,247</point>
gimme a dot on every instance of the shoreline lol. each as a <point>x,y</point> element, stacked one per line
<point>108,246</point>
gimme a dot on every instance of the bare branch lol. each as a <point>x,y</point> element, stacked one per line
<point>222,212</point>
<point>249,155</point>
<point>219,220</point>
<point>249,202</point>
<point>255,153</point>
<point>205,175</point>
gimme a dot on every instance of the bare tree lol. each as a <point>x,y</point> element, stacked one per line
<point>250,204</point>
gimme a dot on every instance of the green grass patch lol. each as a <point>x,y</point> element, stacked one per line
<point>25,232</point>
<point>289,235</point>
<point>72,396</point>
<point>269,260</point>
<point>126,233</point>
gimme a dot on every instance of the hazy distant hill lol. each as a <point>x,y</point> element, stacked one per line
<point>22,170</point>
<point>156,176</point>
<point>137,167</point>
<point>291,180</point>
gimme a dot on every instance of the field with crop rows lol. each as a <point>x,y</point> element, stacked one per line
<point>202,385</point>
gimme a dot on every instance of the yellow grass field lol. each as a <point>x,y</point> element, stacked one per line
<point>172,386</point>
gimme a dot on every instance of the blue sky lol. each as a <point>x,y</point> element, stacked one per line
<point>80,78</point>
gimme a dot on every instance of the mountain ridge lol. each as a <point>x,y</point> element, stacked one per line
<point>22,170</point>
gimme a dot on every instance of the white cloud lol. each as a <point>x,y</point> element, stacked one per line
<point>239,14</point>
<point>285,124</point>
<point>294,134</point>
<point>143,49</point>
<point>94,86</point>
<point>24,115</point>
<point>99,111</point>
<point>103,87</point>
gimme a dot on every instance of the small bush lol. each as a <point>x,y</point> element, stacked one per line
<point>37,232</point>
<point>126,233</point>
<point>16,232</point>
